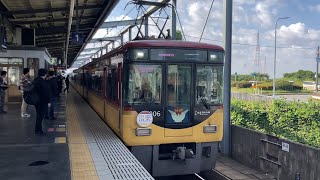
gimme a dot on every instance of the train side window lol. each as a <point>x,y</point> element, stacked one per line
<point>111,83</point>
<point>144,84</point>
<point>209,85</point>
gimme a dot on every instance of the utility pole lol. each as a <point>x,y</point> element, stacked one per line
<point>317,73</point>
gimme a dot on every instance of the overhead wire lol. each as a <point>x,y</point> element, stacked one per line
<point>204,27</point>
<point>247,44</point>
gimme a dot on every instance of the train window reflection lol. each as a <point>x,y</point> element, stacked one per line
<point>144,84</point>
<point>209,85</point>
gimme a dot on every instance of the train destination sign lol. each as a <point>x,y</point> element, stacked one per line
<point>144,119</point>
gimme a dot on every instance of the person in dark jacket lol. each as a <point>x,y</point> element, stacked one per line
<point>53,84</point>
<point>3,87</point>
<point>43,90</point>
<point>67,84</point>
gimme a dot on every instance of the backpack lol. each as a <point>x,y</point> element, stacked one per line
<point>30,94</point>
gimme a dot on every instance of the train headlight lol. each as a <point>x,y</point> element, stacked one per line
<point>143,132</point>
<point>210,128</point>
<point>140,55</point>
<point>213,57</point>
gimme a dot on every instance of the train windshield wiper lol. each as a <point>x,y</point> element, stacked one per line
<point>204,102</point>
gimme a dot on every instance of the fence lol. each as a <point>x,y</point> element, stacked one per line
<point>251,97</point>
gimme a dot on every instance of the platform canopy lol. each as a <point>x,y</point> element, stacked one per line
<point>53,27</point>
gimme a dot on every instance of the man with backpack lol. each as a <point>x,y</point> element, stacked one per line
<point>25,82</point>
<point>42,89</point>
<point>3,87</point>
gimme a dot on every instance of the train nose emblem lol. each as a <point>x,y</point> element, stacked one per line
<point>178,114</point>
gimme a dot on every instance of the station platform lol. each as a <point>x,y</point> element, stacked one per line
<point>24,155</point>
<point>78,145</point>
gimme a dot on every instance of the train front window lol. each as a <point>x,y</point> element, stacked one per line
<point>209,85</point>
<point>178,93</point>
<point>144,85</point>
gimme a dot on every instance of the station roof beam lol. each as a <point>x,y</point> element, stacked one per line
<point>113,24</point>
<point>115,38</point>
<point>65,9</point>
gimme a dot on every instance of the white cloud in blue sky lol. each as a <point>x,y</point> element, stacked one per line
<point>297,37</point>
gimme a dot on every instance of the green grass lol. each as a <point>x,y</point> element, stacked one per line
<point>269,92</point>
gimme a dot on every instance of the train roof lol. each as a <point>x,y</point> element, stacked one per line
<point>159,43</point>
<point>170,43</point>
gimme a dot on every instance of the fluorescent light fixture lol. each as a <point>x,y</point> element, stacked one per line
<point>143,132</point>
<point>210,128</point>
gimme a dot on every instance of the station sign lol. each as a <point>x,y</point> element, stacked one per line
<point>76,38</point>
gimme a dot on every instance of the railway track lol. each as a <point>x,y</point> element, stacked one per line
<point>183,177</point>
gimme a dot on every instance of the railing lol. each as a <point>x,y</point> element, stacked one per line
<point>251,97</point>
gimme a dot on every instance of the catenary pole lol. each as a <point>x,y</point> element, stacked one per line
<point>226,144</point>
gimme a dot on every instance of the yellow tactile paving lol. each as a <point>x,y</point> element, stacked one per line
<point>60,140</point>
<point>82,166</point>
<point>60,129</point>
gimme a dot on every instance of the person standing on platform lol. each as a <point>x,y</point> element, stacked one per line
<point>67,81</point>
<point>3,87</point>
<point>54,94</point>
<point>25,81</point>
<point>43,90</point>
<point>60,82</point>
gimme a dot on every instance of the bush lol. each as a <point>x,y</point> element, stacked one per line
<point>234,84</point>
<point>297,87</point>
<point>284,85</point>
<point>296,121</point>
<point>244,84</point>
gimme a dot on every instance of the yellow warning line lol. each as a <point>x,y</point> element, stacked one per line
<point>81,163</point>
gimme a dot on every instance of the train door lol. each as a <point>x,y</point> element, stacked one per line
<point>178,100</point>
<point>14,67</point>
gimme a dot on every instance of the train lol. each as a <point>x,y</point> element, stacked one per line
<point>163,99</point>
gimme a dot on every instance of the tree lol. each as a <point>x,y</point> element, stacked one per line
<point>300,75</point>
<point>250,77</point>
<point>178,35</point>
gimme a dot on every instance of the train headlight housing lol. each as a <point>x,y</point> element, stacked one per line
<point>210,128</point>
<point>143,132</point>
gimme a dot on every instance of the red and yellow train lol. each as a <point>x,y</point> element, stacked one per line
<point>163,98</point>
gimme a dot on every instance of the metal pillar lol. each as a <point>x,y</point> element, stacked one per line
<point>121,39</point>
<point>226,144</point>
<point>174,20</point>
<point>317,73</point>
<point>130,33</point>
<point>146,26</point>
<point>64,55</point>
<point>69,27</point>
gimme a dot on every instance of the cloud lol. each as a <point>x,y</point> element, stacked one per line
<point>264,14</point>
<point>297,35</point>
<point>296,42</point>
<point>314,8</point>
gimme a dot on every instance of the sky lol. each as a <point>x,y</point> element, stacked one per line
<point>297,37</point>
